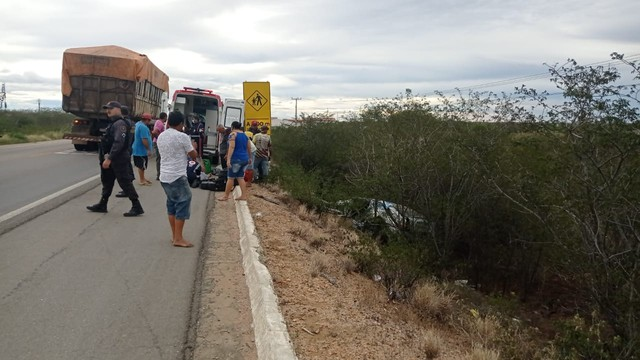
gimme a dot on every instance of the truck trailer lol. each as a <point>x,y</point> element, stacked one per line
<point>93,76</point>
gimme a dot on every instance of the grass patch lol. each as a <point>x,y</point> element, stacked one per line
<point>431,301</point>
<point>32,126</point>
<point>482,353</point>
<point>319,265</point>
<point>430,344</point>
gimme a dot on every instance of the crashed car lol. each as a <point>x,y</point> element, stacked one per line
<point>371,214</point>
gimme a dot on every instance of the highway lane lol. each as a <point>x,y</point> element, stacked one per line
<point>29,172</point>
<point>82,285</point>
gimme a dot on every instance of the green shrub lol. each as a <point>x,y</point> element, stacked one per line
<point>24,126</point>
<point>398,263</point>
<point>20,137</point>
<point>579,340</point>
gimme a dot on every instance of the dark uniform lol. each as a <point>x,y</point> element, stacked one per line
<point>116,145</point>
<point>224,147</point>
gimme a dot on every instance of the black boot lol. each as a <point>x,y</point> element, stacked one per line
<point>122,194</point>
<point>136,209</point>
<point>100,207</point>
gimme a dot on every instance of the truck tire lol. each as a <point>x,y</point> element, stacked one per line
<point>91,146</point>
<point>80,147</point>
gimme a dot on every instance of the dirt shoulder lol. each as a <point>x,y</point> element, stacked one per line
<point>332,312</point>
<point>224,329</point>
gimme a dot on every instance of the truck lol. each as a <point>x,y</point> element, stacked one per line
<point>93,76</point>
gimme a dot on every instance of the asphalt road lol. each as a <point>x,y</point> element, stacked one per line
<point>29,172</point>
<point>82,285</point>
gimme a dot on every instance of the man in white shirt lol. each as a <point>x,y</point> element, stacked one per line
<point>175,150</point>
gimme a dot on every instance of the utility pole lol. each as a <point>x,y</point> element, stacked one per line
<point>296,99</point>
<point>38,105</point>
<point>3,97</point>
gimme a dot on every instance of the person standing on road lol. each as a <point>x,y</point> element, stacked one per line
<point>175,149</point>
<point>263,154</point>
<point>115,161</point>
<point>238,158</point>
<point>142,147</point>
<point>224,144</point>
<point>158,128</point>
<point>124,111</point>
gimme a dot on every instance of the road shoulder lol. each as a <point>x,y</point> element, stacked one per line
<point>224,325</point>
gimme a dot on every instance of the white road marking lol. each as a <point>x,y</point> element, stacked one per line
<point>75,152</point>
<point>45,199</point>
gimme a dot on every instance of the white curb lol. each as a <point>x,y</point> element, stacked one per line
<point>272,337</point>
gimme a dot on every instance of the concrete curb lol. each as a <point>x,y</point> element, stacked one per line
<point>47,203</point>
<point>272,337</point>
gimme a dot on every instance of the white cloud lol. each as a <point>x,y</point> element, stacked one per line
<point>334,54</point>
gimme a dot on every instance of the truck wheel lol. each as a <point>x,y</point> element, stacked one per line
<point>80,147</point>
<point>92,146</point>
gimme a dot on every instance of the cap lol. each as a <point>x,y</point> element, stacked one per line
<point>146,116</point>
<point>254,123</point>
<point>111,105</point>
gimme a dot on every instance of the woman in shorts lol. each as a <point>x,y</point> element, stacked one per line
<point>237,161</point>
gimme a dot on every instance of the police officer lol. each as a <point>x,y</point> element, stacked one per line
<point>124,110</point>
<point>115,161</point>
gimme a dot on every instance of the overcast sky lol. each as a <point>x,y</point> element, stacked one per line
<point>334,54</point>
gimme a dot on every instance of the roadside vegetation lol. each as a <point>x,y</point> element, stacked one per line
<point>21,126</point>
<point>519,214</point>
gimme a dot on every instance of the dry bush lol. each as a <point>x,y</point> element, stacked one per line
<point>283,196</point>
<point>485,329</point>
<point>273,188</point>
<point>430,344</point>
<point>300,232</point>
<point>317,242</point>
<point>431,301</point>
<point>305,214</point>
<point>318,265</point>
<point>342,235</point>
<point>322,220</point>
<point>347,265</point>
<point>482,353</point>
<point>370,295</point>
<point>333,222</point>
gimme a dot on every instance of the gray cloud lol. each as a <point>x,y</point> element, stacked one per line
<point>319,50</point>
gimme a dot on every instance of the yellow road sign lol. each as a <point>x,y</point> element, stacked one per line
<point>257,97</point>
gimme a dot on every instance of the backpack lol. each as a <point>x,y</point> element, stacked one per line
<point>193,173</point>
<point>217,184</point>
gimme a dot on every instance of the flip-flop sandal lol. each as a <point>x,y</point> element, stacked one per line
<point>223,199</point>
<point>184,246</point>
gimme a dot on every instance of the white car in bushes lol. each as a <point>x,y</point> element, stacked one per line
<point>373,212</point>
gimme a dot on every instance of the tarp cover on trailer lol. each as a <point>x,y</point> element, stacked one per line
<point>110,61</point>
